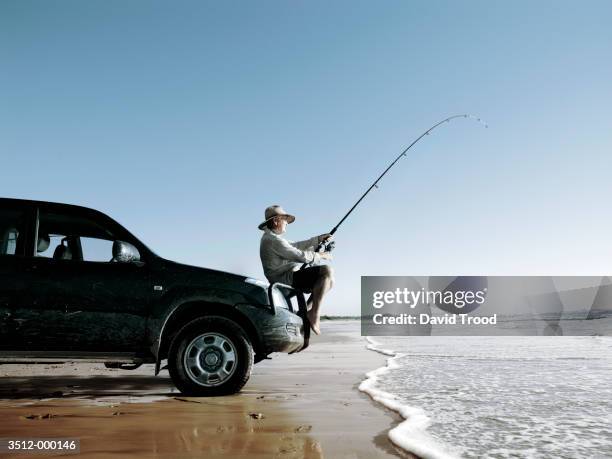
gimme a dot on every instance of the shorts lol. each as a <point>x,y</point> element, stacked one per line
<point>305,279</point>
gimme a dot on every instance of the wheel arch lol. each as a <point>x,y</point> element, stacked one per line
<point>194,309</point>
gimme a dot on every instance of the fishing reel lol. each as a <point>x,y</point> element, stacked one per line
<point>321,247</point>
<point>326,246</point>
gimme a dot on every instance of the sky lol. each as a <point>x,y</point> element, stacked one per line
<point>183,120</point>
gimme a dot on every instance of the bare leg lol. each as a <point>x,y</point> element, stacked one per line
<point>322,286</point>
<point>309,302</point>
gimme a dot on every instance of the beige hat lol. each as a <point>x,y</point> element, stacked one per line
<point>274,211</point>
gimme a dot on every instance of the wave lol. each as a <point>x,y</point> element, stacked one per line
<point>410,435</point>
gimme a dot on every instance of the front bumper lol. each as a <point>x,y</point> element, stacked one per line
<point>291,330</point>
<point>284,333</point>
<point>282,325</point>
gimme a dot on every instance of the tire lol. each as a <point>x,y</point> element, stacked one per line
<point>210,356</point>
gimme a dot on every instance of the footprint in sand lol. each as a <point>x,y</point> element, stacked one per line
<point>287,449</point>
<point>39,416</point>
<point>226,429</point>
<point>303,429</point>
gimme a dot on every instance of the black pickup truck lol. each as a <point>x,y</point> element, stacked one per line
<point>77,286</point>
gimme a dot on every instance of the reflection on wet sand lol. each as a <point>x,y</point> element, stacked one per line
<point>165,429</point>
<point>95,389</point>
<point>177,427</point>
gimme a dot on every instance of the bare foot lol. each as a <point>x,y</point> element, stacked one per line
<point>314,323</point>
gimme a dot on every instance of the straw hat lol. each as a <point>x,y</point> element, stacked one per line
<point>275,211</point>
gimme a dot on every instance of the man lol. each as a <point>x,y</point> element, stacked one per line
<point>282,260</point>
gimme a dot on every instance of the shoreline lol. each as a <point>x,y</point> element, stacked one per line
<point>409,434</point>
<point>303,405</point>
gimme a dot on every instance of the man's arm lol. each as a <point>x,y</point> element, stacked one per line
<point>312,242</point>
<point>307,244</point>
<point>293,253</point>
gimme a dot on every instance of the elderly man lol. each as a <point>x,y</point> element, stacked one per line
<point>282,260</point>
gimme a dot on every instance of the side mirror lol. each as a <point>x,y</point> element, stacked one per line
<point>124,252</point>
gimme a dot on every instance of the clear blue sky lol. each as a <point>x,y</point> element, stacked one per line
<point>184,120</point>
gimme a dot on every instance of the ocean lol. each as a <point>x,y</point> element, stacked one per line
<point>497,397</point>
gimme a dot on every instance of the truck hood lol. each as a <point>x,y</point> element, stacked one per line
<point>183,275</point>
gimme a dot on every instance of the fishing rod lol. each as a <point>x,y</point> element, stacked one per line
<point>328,247</point>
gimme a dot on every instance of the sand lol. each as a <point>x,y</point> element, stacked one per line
<point>302,405</point>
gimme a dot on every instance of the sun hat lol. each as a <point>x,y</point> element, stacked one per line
<point>275,211</point>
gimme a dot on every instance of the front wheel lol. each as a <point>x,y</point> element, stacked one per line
<point>210,356</point>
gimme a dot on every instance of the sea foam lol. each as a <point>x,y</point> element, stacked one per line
<point>410,435</point>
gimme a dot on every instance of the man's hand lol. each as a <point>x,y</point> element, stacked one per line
<point>325,255</point>
<point>324,237</point>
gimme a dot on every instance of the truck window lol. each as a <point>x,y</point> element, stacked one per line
<point>95,249</point>
<point>73,237</point>
<point>12,224</point>
<point>47,244</point>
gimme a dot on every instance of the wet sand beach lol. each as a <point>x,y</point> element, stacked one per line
<point>304,405</point>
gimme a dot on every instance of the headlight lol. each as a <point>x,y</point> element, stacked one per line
<point>260,283</point>
<point>279,299</point>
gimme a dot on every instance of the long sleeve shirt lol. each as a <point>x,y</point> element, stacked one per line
<point>280,257</point>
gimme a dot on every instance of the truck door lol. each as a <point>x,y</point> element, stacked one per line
<point>83,300</point>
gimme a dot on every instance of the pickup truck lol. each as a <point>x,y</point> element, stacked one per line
<point>76,286</point>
